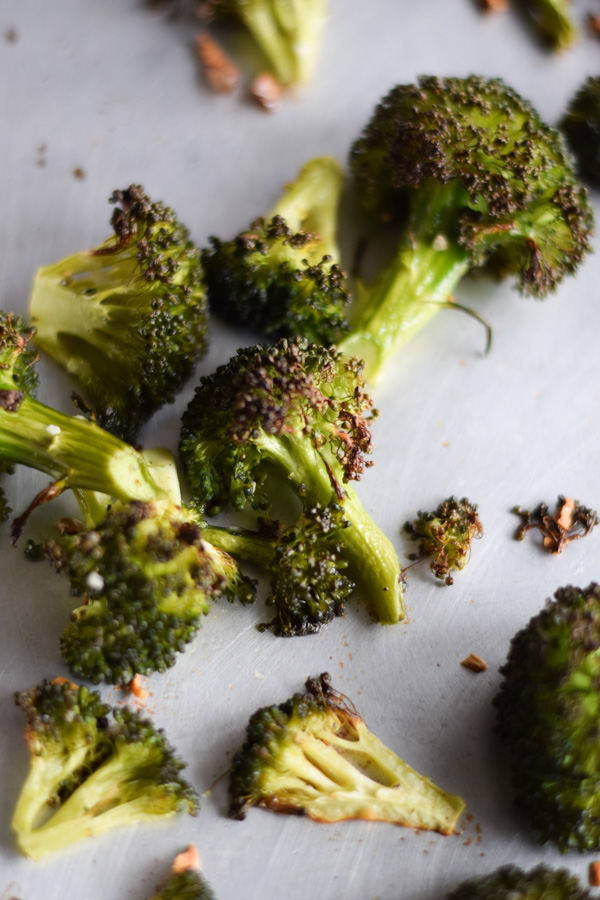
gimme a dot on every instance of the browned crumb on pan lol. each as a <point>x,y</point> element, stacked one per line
<point>474,663</point>
<point>220,74</point>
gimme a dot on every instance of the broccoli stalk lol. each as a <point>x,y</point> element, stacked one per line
<point>509,882</point>
<point>486,184</point>
<point>281,277</point>
<point>315,755</point>
<point>128,319</point>
<point>581,125</point>
<point>553,20</point>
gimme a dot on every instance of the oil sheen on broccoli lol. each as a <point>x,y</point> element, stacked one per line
<point>299,411</point>
<point>581,125</point>
<point>548,709</point>
<point>446,535</point>
<point>91,769</point>
<point>480,181</point>
<point>315,755</point>
<point>281,277</point>
<point>128,319</point>
<point>510,883</point>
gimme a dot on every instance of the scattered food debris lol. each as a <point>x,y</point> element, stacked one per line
<point>79,173</point>
<point>219,72</point>
<point>593,22</point>
<point>570,522</point>
<point>446,535</point>
<point>594,874</point>
<point>494,6</point>
<point>135,686</point>
<point>11,35</point>
<point>267,91</point>
<point>474,663</point>
<point>187,860</point>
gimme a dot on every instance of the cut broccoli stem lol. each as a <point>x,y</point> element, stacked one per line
<point>248,545</point>
<point>554,22</point>
<point>258,17</point>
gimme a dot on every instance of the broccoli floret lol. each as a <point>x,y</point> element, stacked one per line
<point>128,319</point>
<point>571,521</point>
<point>553,21</point>
<point>281,277</point>
<point>147,575</point>
<point>581,125</point>
<point>482,181</point>
<point>185,881</point>
<point>89,774</point>
<point>315,755</point>
<point>299,410</point>
<point>305,565</point>
<point>548,709</point>
<point>510,883</point>
<point>287,31</point>
<point>446,534</point>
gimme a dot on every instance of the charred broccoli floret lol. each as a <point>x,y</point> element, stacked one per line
<point>509,882</point>
<point>282,277</point>
<point>446,535</point>
<point>287,31</point>
<point>581,125</point>
<point>482,181</point>
<point>127,319</point>
<point>553,21</point>
<point>147,575</point>
<point>571,521</point>
<point>90,773</point>
<point>185,881</point>
<point>548,719</point>
<point>315,755</point>
<point>299,410</point>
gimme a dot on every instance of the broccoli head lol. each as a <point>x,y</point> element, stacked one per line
<point>301,411</point>
<point>128,319</point>
<point>481,181</point>
<point>147,575</point>
<point>315,755</point>
<point>446,535</point>
<point>510,882</point>
<point>547,710</point>
<point>90,773</point>
<point>185,881</point>
<point>553,21</point>
<point>281,277</point>
<point>581,125</point>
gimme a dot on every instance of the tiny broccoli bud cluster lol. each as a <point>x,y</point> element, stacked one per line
<point>446,535</point>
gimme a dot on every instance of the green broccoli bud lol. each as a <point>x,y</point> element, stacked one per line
<point>147,575</point>
<point>315,755</point>
<point>128,319</point>
<point>88,775</point>
<point>281,278</point>
<point>509,882</point>
<point>581,125</point>
<point>446,534</point>
<point>486,183</point>
<point>547,709</point>
<point>287,31</point>
<point>185,881</point>
<point>553,21</point>
<point>299,410</point>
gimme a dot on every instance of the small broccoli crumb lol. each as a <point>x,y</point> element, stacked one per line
<point>570,522</point>
<point>446,534</point>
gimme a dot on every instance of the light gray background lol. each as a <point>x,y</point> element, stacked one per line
<point>114,89</point>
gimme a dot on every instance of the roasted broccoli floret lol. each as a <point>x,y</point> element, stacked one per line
<point>128,319</point>
<point>282,277</point>
<point>315,755</point>
<point>304,561</point>
<point>287,31</point>
<point>185,881</point>
<point>581,125</point>
<point>147,576</point>
<point>446,535</point>
<point>298,410</point>
<point>548,709</point>
<point>553,21</point>
<point>90,773</point>
<point>481,181</point>
<point>571,521</point>
<point>510,883</point>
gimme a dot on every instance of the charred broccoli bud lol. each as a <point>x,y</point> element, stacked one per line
<point>128,319</point>
<point>281,277</point>
<point>509,882</point>
<point>315,755</point>
<point>570,522</point>
<point>553,21</point>
<point>90,773</point>
<point>446,534</point>
<point>581,125</point>
<point>486,183</point>
<point>5,509</point>
<point>305,565</point>
<point>147,575</point>
<point>185,881</point>
<point>287,31</point>
<point>548,719</point>
<point>299,410</point>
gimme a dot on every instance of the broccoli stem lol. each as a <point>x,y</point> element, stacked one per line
<point>75,451</point>
<point>259,19</point>
<point>412,289</point>
<point>554,22</point>
<point>248,545</point>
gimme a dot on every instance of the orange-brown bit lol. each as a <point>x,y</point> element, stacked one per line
<point>474,663</point>
<point>494,6</point>
<point>593,23</point>
<point>219,72</point>
<point>135,686</point>
<point>594,874</point>
<point>186,861</point>
<point>267,91</point>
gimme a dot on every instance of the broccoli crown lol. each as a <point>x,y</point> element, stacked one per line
<point>188,885</point>
<point>507,180</point>
<point>147,576</point>
<point>510,882</point>
<point>446,534</point>
<point>548,719</point>
<point>89,774</point>
<point>315,755</point>
<point>265,279</point>
<point>553,20</point>
<point>581,125</point>
<point>128,319</point>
